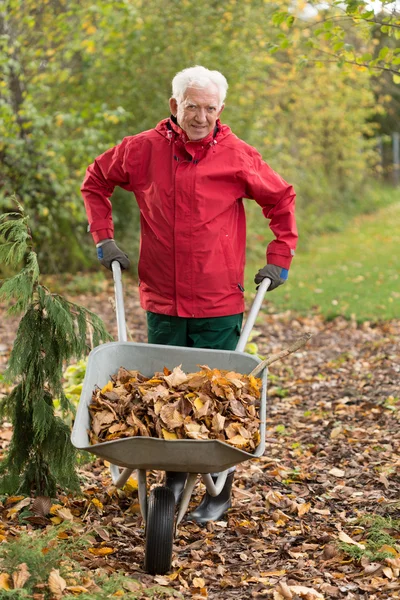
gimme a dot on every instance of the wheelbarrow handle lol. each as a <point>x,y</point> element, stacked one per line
<point>254,310</point>
<point>119,302</point>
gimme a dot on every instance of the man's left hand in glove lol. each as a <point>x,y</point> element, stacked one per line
<point>277,275</point>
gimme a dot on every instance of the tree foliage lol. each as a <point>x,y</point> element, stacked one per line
<point>52,330</point>
<point>79,76</point>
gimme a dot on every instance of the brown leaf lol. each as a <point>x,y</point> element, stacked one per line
<point>306,592</point>
<point>337,472</point>
<point>56,583</point>
<point>100,420</point>
<point>41,506</point>
<point>237,408</point>
<point>176,378</point>
<point>159,392</point>
<point>283,589</point>
<point>123,375</point>
<point>65,514</point>
<point>239,441</point>
<point>171,416</point>
<point>133,420</point>
<point>343,537</point>
<point>19,506</point>
<point>218,422</point>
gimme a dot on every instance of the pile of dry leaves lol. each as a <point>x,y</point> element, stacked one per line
<point>207,405</point>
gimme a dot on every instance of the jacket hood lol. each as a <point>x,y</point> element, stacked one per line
<point>170,129</point>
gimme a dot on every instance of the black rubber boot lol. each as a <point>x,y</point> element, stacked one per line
<point>176,482</point>
<point>212,508</point>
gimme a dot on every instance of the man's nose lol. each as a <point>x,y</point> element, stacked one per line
<point>201,115</point>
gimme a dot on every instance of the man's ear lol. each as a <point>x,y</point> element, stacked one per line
<point>173,106</point>
<point>220,110</point>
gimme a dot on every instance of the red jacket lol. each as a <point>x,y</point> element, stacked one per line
<point>193,229</point>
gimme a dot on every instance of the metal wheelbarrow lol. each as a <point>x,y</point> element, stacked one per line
<point>144,453</point>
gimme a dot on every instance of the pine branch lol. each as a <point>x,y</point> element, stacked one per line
<point>51,332</point>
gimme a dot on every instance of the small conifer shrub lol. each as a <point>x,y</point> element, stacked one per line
<point>51,332</point>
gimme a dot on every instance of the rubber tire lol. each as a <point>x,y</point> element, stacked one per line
<point>159,531</point>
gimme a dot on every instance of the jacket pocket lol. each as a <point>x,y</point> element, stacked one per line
<point>229,256</point>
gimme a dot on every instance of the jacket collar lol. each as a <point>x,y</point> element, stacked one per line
<point>172,125</point>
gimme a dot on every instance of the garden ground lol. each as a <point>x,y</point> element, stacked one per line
<point>318,516</point>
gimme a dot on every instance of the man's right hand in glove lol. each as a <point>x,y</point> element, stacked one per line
<point>108,251</point>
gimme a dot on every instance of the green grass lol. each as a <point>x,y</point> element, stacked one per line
<point>354,273</point>
<point>380,539</point>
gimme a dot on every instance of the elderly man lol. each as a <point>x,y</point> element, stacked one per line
<point>189,176</point>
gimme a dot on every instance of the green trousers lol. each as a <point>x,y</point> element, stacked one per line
<point>220,333</point>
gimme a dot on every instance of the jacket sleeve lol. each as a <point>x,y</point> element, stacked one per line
<point>277,199</point>
<point>108,171</point>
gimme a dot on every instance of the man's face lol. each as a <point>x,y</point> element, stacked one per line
<point>198,111</point>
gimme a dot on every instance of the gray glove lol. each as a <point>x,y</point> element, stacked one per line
<point>277,275</point>
<point>108,251</point>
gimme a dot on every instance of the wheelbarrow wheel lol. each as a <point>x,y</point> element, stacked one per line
<point>159,531</point>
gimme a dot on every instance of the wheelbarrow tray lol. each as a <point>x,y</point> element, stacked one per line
<point>193,456</point>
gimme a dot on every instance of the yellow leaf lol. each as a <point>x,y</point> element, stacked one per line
<point>77,589</point>
<point>53,510</point>
<point>14,499</point>
<point>198,582</point>
<point>5,582</point>
<point>56,520</point>
<point>103,551</point>
<point>56,583</point>
<point>302,509</point>
<point>97,503</point>
<point>386,548</point>
<point>131,485</point>
<point>119,593</point>
<point>167,435</point>
<point>108,387</point>
<point>198,404</point>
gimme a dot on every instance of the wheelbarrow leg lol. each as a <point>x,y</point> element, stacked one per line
<point>142,492</point>
<point>119,478</point>
<point>186,495</point>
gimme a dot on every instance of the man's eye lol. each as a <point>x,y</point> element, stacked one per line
<point>211,109</point>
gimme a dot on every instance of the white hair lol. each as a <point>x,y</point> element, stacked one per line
<point>198,77</point>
